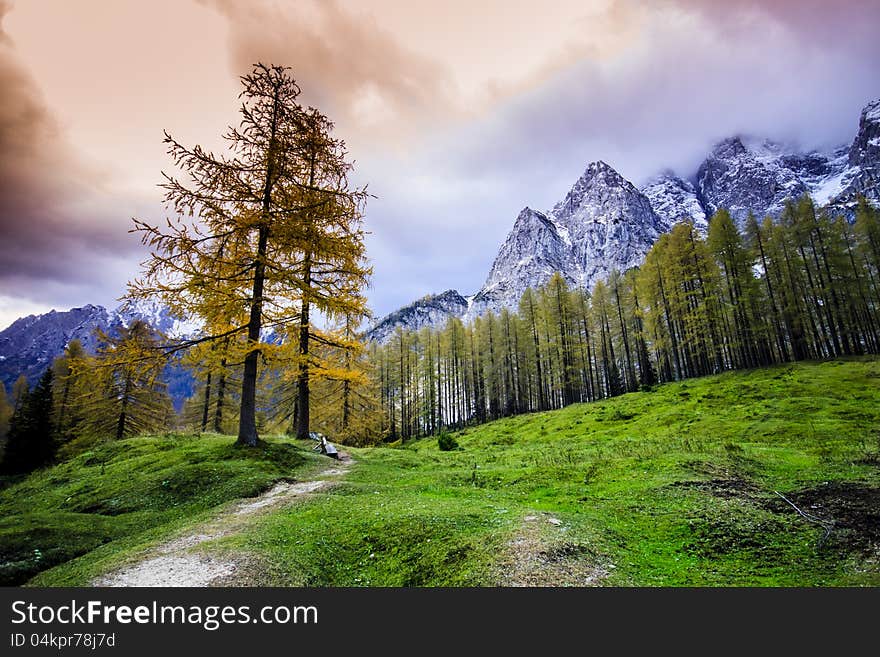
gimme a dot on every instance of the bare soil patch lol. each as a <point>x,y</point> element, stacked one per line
<point>852,508</point>
<point>539,555</point>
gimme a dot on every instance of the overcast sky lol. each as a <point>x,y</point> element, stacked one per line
<point>458,114</point>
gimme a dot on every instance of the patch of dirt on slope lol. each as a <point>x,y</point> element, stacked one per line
<point>539,555</point>
<point>852,509</point>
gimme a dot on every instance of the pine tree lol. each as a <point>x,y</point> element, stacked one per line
<point>5,412</point>
<point>31,439</point>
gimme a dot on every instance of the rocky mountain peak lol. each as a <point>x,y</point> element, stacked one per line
<point>536,247</point>
<point>731,147</point>
<point>598,182</point>
<point>747,175</point>
<point>674,200</point>
<point>865,149</point>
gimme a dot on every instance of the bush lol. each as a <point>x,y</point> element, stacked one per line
<point>446,442</point>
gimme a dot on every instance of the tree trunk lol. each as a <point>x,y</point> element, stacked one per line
<point>123,416</point>
<point>206,403</point>
<point>302,421</point>
<point>247,425</point>
<point>221,394</point>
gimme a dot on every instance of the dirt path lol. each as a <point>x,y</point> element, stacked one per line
<point>181,562</point>
<point>540,555</point>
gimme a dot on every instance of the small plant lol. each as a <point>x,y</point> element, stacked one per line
<point>620,416</point>
<point>446,442</point>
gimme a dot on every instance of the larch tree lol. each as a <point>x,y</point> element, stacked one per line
<point>262,235</point>
<point>126,395</point>
<point>20,389</point>
<point>69,390</point>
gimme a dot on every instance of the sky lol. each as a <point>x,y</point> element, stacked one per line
<point>457,114</point>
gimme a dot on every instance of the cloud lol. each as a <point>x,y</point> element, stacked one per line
<point>686,83</point>
<point>345,62</point>
<point>54,239</point>
<point>689,78</point>
<point>457,116</point>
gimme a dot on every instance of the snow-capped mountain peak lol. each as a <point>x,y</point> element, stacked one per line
<point>603,223</point>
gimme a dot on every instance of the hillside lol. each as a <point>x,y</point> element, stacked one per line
<point>124,493</point>
<point>682,485</point>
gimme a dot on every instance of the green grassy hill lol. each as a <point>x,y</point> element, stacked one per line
<point>122,494</point>
<point>679,486</point>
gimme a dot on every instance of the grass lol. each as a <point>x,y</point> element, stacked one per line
<point>673,487</point>
<point>121,494</point>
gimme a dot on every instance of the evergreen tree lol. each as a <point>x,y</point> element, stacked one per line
<point>70,375</point>
<point>20,389</point>
<point>126,396</point>
<point>31,439</point>
<point>5,412</point>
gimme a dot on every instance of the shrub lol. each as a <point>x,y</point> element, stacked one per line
<point>446,442</point>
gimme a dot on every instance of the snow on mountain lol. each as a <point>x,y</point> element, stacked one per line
<point>432,311</point>
<point>745,174</point>
<point>748,175</point>
<point>675,200</point>
<point>535,248</point>
<point>159,317</point>
<point>862,175</point>
<point>611,223</point>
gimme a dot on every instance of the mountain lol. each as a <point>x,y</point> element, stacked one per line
<point>862,174</point>
<point>605,223</point>
<point>30,344</point>
<point>432,310</point>
<point>743,174</point>
<point>746,175</point>
<point>675,200</point>
<point>609,223</point>
<point>535,248</point>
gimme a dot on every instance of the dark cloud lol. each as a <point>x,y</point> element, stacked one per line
<point>53,240</point>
